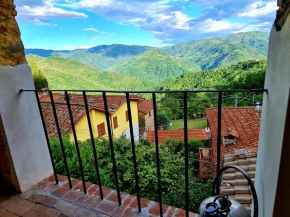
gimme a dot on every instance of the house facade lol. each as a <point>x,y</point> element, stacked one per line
<point>145,117</point>
<point>118,115</point>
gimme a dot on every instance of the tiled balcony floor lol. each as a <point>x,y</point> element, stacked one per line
<point>48,200</point>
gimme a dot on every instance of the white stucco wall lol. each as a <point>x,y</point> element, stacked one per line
<point>273,118</point>
<point>23,127</point>
<point>136,132</point>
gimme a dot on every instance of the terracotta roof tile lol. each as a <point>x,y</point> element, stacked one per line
<point>242,122</point>
<point>164,135</point>
<point>233,182</point>
<point>145,106</point>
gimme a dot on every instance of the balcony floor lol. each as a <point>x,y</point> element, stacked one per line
<point>48,200</point>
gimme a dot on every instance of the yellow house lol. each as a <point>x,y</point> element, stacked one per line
<point>118,115</point>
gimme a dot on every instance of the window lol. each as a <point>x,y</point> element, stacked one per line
<point>115,121</point>
<point>101,129</point>
<point>150,114</point>
<point>127,116</point>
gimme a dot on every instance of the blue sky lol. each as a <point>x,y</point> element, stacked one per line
<point>72,24</point>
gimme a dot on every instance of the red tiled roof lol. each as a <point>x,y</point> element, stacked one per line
<point>242,122</point>
<point>114,101</point>
<point>78,112</point>
<point>145,106</point>
<point>77,107</point>
<point>164,135</point>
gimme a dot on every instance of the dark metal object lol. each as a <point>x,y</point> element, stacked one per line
<point>76,141</point>
<point>133,150</point>
<point>161,91</point>
<point>215,205</point>
<point>46,137</point>
<point>112,146</point>
<point>219,132</point>
<point>186,153</point>
<point>93,144</point>
<point>60,139</point>
<point>157,153</point>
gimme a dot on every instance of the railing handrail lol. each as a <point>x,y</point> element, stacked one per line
<point>155,91</point>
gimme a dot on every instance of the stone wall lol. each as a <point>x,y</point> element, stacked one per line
<point>11,46</point>
<point>282,13</point>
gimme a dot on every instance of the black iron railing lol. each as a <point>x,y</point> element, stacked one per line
<point>127,94</point>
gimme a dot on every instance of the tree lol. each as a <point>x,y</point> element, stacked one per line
<point>39,79</point>
<point>163,120</point>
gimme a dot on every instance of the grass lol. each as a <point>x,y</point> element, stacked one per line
<point>199,123</point>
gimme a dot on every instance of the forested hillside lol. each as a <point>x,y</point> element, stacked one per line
<point>153,65</point>
<point>65,73</point>
<point>219,52</point>
<point>210,53</point>
<point>234,76</point>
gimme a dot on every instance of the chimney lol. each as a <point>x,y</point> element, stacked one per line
<point>91,101</point>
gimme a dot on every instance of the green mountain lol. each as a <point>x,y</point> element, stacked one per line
<point>70,74</point>
<point>219,52</point>
<point>153,65</point>
<point>244,75</point>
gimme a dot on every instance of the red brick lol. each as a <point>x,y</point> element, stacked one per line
<point>74,182</point>
<point>106,192</point>
<point>43,211</point>
<point>171,211</point>
<point>81,188</point>
<point>60,178</point>
<point>82,199</point>
<point>130,213</point>
<point>22,205</point>
<point>114,196</point>
<point>72,195</point>
<point>144,203</point>
<point>91,202</point>
<point>36,198</point>
<point>118,212</point>
<point>49,201</point>
<point>155,209</point>
<point>93,189</point>
<point>106,207</point>
<point>60,191</point>
<point>180,213</point>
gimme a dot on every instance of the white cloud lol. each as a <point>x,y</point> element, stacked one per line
<point>68,47</point>
<point>264,24</point>
<point>211,25</point>
<point>92,29</point>
<point>259,9</point>
<point>40,13</point>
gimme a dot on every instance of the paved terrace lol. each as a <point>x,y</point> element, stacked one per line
<point>49,200</point>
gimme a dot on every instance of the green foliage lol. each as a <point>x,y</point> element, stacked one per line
<point>163,120</point>
<point>171,163</point>
<point>219,52</point>
<point>65,73</point>
<point>39,79</point>
<point>153,65</point>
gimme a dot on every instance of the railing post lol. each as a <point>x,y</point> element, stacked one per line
<point>93,144</point>
<point>112,147</point>
<point>219,132</point>
<point>186,153</point>
<point>157,153</point>
<point>76,141</point>
<point>60,138</point>
<point>133,150</point>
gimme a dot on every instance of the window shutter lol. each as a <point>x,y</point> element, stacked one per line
<point>115,120</point>
<point>127,116</point>
<point>101,129</point>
